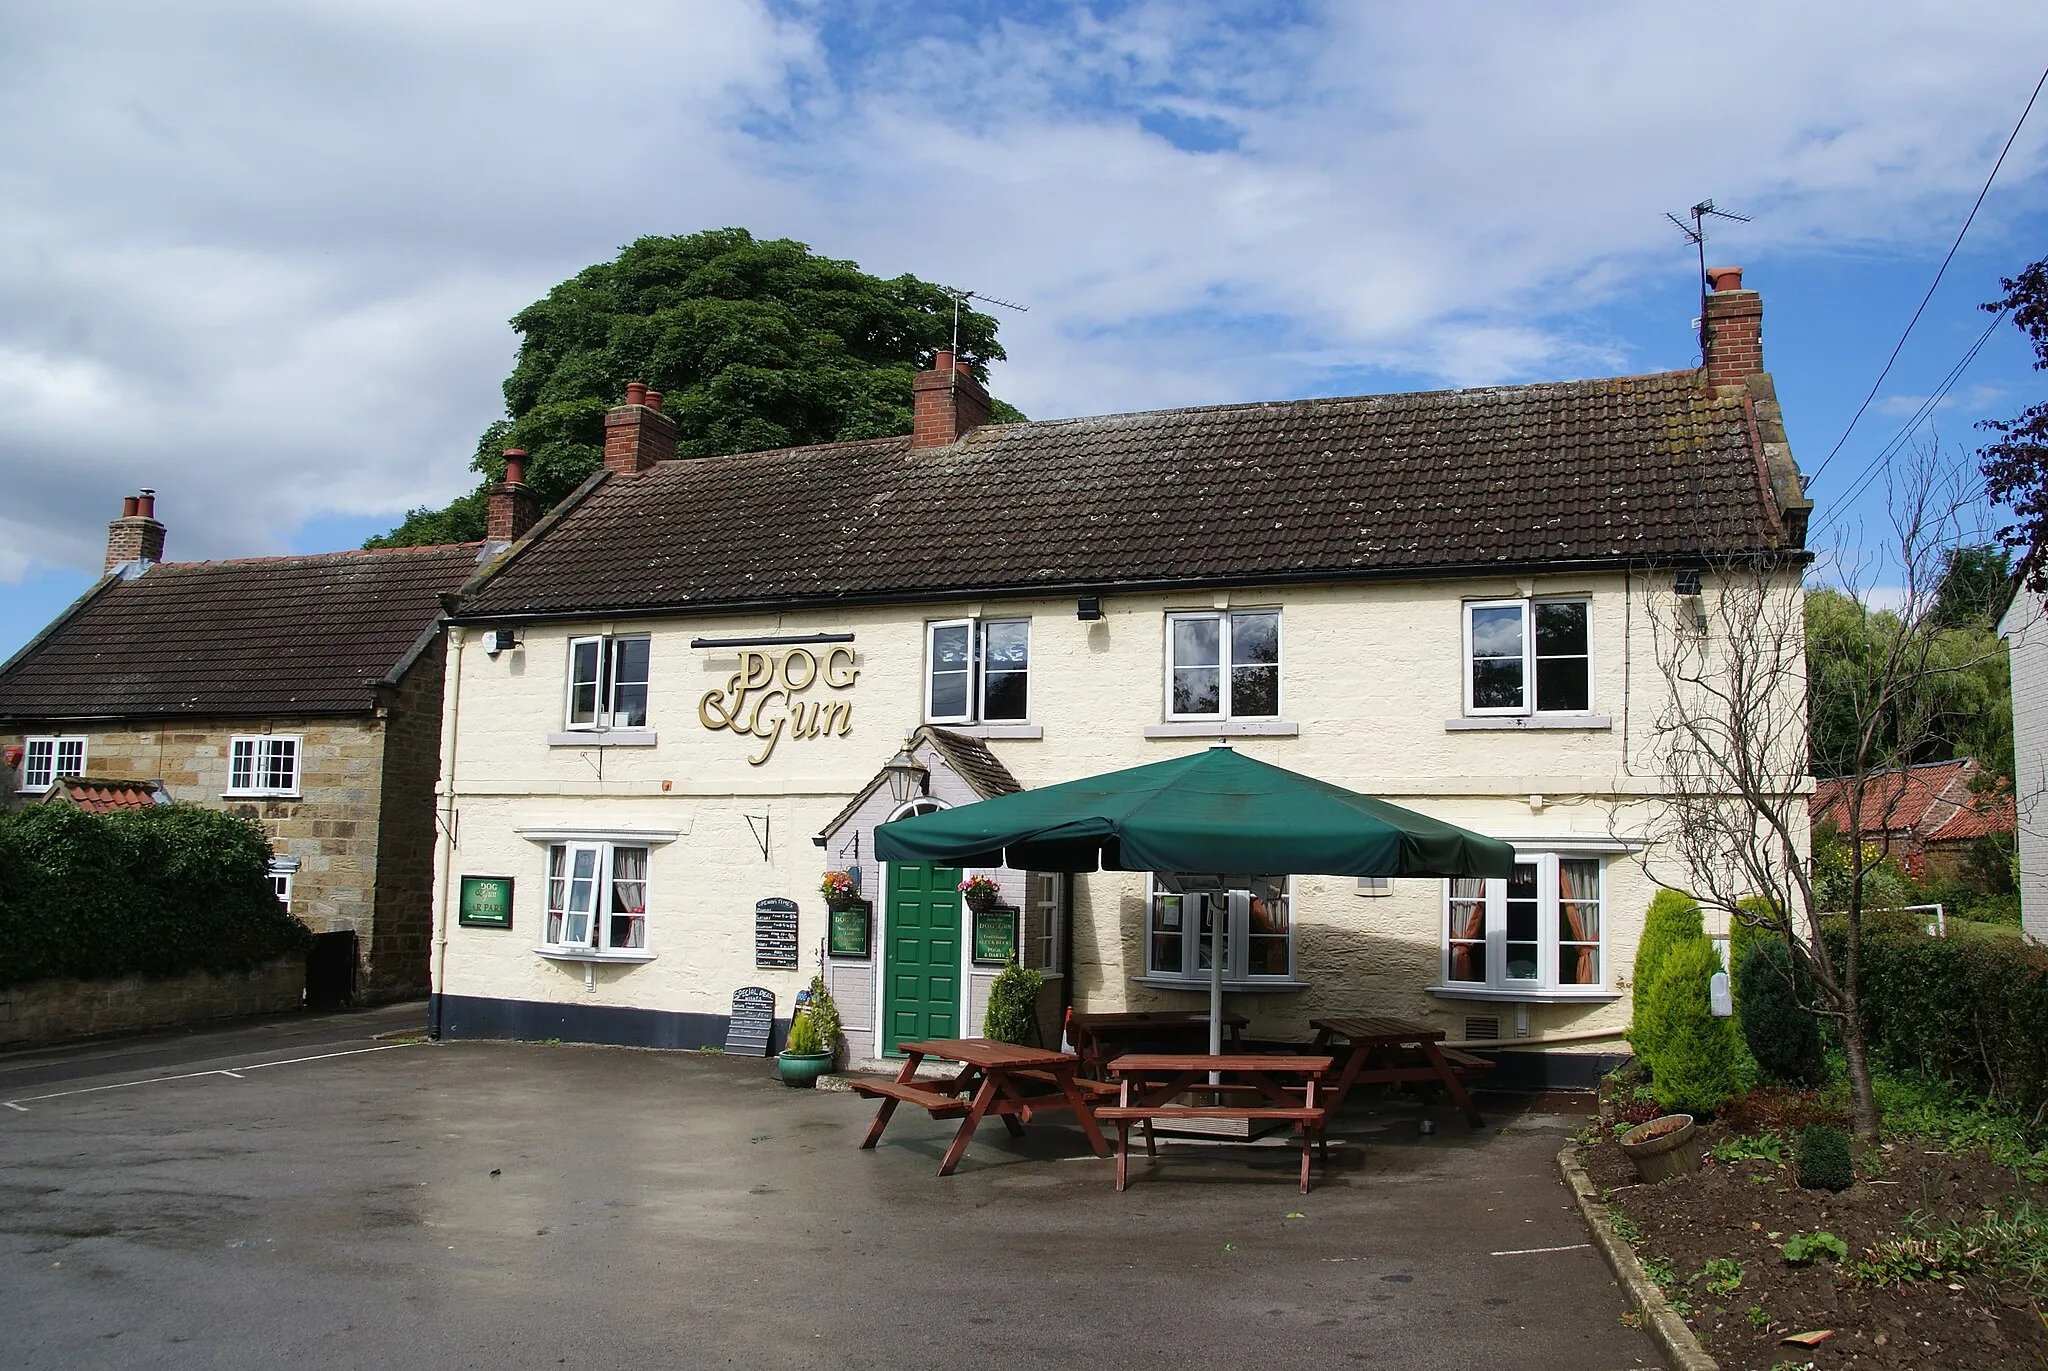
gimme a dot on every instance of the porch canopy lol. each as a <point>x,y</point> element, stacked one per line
<point>1215,820</point>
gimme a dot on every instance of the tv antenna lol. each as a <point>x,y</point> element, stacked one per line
<point>1697,234</point>
<point>961,297</point>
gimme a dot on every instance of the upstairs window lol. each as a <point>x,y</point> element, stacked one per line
<point>47,760</point>
<point>265,765</point>
<point>1223,665</point>
<point>977,671</point>
<point>608,682</point>
<point>597,897</point>
<point>1528,656</point>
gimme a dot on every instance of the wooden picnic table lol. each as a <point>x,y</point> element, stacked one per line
<point>1385,1051</point>
<point>1284,1086</point>
<point>1100,1037</point>
<point>1014,1083</point>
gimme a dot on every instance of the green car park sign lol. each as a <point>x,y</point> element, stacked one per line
<point>486,902</point>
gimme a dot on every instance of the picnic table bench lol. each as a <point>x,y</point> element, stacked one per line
<point>1384,1051</point>
<point>1151,1081</point>
<point>1100,1036</point>
<point>996,1076</point>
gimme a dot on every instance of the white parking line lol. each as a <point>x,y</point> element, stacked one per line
<point>21,1102</point>
<point>1535,1251</point>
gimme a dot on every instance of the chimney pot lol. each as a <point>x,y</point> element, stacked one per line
<point>145,504</point>
<point>1725,278</point>
<point>636,392</point>
<point>637,434</point>
<point>515,466</point>
<point>942,361</point>
<point>654,400</point>
<point>128,503</point>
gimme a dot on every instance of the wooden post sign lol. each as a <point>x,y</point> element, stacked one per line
<point>486,902</point>
<point>775,934</point>
<point>995,935</point>
<point>852,927</point>
<point>752,1023</point>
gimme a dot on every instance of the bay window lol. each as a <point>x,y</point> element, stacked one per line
<point>47,760</point>
<point>265,764</point>
<point>1223,665</point>
<point>977,671</point>
<point>1528,656</point>
<point>1541,929</point>
<point>608,682</point>
<point>597,898</point>
<point>1258,936</point>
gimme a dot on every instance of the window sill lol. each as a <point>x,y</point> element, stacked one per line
<point>1268,985</point>
<point>1224,728</point>
<point>260,795</point>
<point>1599,995</point>
<point>580,954</point>
<point>992,730</point>
<point>1588,723</point>
<point>605,737</point>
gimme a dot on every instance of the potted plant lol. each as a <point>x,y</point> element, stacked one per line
<point>1663,1148</point>
<point>838,890</point>
<point>981,893</point>
<point>813,1040</point>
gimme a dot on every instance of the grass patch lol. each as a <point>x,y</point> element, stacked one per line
<point>2012,1243</point>
<point>1953,1118</point>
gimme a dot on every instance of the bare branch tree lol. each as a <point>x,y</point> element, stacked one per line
<point>1729,741</point>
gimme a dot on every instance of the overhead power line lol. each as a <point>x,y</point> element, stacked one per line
<point>1889,361</point>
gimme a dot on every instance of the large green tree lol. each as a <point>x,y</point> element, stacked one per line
<point>753,344</point>
<point>2016,465</point>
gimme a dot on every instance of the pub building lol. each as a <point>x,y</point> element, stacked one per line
<point>685,695</point>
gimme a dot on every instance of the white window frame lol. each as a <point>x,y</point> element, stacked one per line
<point>1237,939</point>
<point>1225,711</point>
<point>63,754</point>
<point>281,886</point>
<point>263,749</point>
<point>1527,607</point>
<point>977,669</point>
<point>598,940</point>
<point>1549,920</point>
<point>605,709</point>
<point>1045,922</point>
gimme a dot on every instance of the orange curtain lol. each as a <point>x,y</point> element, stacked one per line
<point>1462,889</point>
<point>1568,895</point>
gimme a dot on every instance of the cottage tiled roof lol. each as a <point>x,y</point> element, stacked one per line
<point>98,795</point>
<point>975,763</point>
<point>1933,801</point>
<point>266,636</point>
<point>1585,472</point>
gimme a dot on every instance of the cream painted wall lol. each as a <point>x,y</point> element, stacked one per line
<point>1370,674</point>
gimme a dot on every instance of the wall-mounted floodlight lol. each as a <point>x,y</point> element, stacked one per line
<point>1088,607</point>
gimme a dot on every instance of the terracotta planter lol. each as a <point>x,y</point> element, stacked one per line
<point>800,1070</point>
<point>1663,1148</point>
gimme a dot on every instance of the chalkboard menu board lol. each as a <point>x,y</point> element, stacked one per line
<point>995,935</point>
<point>775,934</point>
<point>852,926</point>
<point>752,1023</point>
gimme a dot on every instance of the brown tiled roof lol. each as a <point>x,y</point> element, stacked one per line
<point>97,795</point>
<point>971,758</point>
<point>1933,801</point>
<point>1584,472</point>
<point>267,636</point>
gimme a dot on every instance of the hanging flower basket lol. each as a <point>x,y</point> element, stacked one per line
<point>981,893</point>
<point>838,890</point>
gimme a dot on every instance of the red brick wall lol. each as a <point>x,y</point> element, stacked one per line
<point>1735,336</point>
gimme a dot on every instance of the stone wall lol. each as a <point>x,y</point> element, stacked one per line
<point>404,920</point>
<point>51,1011</point>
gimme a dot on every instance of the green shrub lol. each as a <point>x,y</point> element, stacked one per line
<point>803,1037</point>
<point>1673,917</point>
<point>157,892</point>
<point>1823,1158</point>
<point>1012,1002</point>
<point>1784,1039</point>
<point>1744,934</point>
<point>823,1012</point>
<point>1693,1071</point>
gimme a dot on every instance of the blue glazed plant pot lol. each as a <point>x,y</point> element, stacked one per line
<point>800,1070</point>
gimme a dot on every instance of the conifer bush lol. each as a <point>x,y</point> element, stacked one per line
<point>1823,1158</point>
<point>1743,935</point>
<point>1694,1069</point>
<point>1673,917</point>
<point>1784,1039</point>
<point>1012,1001</point>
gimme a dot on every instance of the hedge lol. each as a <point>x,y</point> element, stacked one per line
<point>152,892</point>
<point>1969,1010</point>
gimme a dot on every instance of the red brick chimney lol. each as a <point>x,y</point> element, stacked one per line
<point>136,536</point>
<point>512,508</point>
<point>637,434</point>
<point>1733,328</point>
<point>947,403</point>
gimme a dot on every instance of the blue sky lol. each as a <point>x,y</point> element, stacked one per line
<point>260,257</point>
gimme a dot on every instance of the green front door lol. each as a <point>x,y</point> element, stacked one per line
<point>921,997</point>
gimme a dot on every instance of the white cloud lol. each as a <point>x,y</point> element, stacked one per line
<point>261,256</point>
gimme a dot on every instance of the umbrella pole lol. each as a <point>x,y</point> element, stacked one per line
<point>1217,920</point>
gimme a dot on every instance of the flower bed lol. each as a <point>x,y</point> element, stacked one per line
<point>1939,1256</point>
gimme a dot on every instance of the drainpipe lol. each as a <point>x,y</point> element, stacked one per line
<point>450,717</point>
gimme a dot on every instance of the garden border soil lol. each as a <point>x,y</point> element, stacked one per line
<point>1660,1320</point>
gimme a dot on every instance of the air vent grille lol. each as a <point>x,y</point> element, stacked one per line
<point>1482,1029</point>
